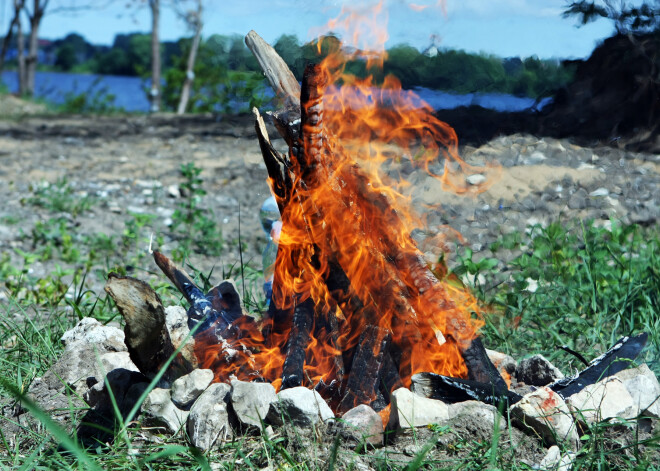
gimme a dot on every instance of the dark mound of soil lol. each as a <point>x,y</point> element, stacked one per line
<point>614,99</point>
<point>615,95</point>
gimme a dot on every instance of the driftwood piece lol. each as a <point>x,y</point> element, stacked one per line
<point>279,75</point>
<point>364,379</point>
<point>147,338</point>
<point>299,337</point>
<point>617,358</point>
<point>452,390</point>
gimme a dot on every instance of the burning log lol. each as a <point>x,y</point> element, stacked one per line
<point>366,368</point>
<point>402,280</point>
<point>147,338</point>
<point>299,337</point>
<point>202,307</point>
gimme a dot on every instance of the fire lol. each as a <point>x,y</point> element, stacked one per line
<point>348,216</point>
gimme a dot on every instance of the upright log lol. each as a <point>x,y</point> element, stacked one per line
<point>299,337</point>
<point>364,379</point>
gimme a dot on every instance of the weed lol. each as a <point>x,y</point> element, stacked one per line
<point>576,285</point>
<point>191,223</point>
<point>59,197</point>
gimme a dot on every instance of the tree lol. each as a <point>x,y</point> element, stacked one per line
<point>194,21</point>
<point>15,23</point>
<point>642,17</point>
<point>154,94</point>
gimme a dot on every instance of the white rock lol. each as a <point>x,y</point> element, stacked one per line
<point>173,191</point>
<point>251,401</point>
<point>606,399</point>
<point>555,461</point>
<point>363,424</point>
<point>187,388</point>
<point>159,409</point>
<point>535,158</point>
<point>476,179</point>
<point>644,388</point>
<point>417,411</point>
<point>91,331</point>
<point>301,406</point>
<point>545,412</point>
<point>176,321</point>
<point>599,192</point>
<point>208,421</point>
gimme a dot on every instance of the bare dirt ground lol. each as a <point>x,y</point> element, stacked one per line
<point>130,165</point>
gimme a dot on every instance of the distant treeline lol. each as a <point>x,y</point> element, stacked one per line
<point>221,56</point>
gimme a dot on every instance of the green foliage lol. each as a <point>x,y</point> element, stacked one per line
<point>94,100</point>
<point>192,224</point>
<point>59,197</point>
<point>580,286</point>
<point>222,82</point>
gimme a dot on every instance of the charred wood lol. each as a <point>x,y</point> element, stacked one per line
<point>299,338</point>
<point>452,390</point>
<point>617,358</point>
<point>364,379</point>
<point>201,310</point>
<point>480,368</point>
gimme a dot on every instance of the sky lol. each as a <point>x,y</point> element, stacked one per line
<point>506,28</point>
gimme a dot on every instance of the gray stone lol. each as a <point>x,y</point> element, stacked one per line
<point>578,200</point>
<point>606,399</point>
<point>80,366</point>
<point>476,412</point>
<point>208,422</point>
<point>188,388</point>
<point>363,424</point>
<point>644,388</point>
<point>159,410</point>
<point>546,413</point>
<point>417,411</point>
<point>176,322</point>
<point>537,371</point>
<point>300,406</point>
<point>251,402</point>
<point>90,331</point>
<point>554,460</point>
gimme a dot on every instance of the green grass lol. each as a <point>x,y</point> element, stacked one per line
<point>594,285</point>
<point>571,284</point>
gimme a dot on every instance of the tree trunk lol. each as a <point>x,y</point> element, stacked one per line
<point>39,7</point>
<point>154,95</point>
<point>18,7</point>
<point>21,59</point>
<point>192,55</point>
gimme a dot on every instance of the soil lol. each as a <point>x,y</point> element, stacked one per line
<point>128,165</point>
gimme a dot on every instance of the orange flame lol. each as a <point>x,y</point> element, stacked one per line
<point>348,215</point>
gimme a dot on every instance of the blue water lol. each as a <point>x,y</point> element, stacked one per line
<point>130,92</point>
